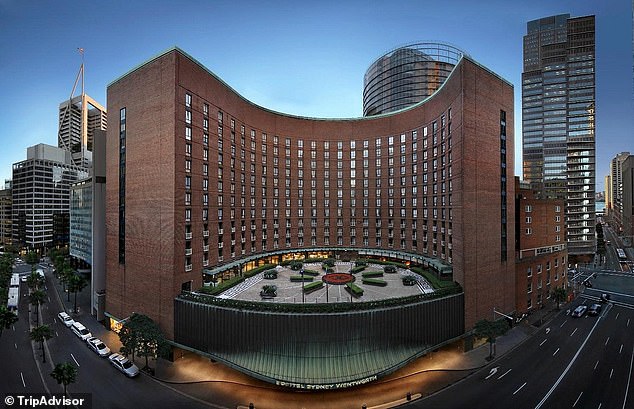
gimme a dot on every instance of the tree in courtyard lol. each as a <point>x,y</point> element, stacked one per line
<point>7,318</point>
<point>76,283</point>
<point>65,374</point>
<point>37,298</point>
<point>490,330</point>
<point>559,295</point>
<point>41,334</point>
<point>142,335</point>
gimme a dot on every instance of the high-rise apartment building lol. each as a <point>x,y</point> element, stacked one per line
<point>6,202</point>
<point>627,201</point>
<point>40,194</point>
<point>79,117</point>
<point>615,189</point>
<point>558,120</point>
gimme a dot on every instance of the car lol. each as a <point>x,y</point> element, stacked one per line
<point>608,242</point>
<point>124,365</point>
<point>81,331</point>
<point>595,309</point>
<point>579,311</point>
<point>24,278</point>
<point>65,319</point>
<point>605,297</point>
<point>98,346</point>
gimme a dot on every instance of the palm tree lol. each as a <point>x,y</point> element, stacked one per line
<point>559,295</point>
<point>34,281</point>
<point>76,283</point>
<point>41,334</point>
<point>65,374</point>
<point>37,298</point>
<point>7,318</point>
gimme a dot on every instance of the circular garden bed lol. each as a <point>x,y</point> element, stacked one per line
<point>338,278</point>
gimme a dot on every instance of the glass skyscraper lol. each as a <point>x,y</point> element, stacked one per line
<point>558,119</point>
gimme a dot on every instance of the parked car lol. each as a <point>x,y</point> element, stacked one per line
<point>98,346</point>
<point>124,365</point>
<point>65,319</point>
<point>595,309</point>
<point>579,311</point>
<point>81,331</point>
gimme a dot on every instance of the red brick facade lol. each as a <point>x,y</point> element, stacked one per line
<point>542,255</point>
<point>428,179</point>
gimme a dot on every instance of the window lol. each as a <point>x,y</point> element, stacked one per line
<point>188,100</point>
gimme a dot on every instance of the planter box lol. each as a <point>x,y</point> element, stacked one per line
<point>354,289</point>
<point>300,279</point>
<point>370,274</point>
<point>314,286</point>
<point>374,281</point>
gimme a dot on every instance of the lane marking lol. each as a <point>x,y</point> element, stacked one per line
<point>628,322</point>
<point>54,321</point>
<point>562,324</point>
<point>16,345</point>
<point>595,365</point>
<point>611,372</point>
<point>56,333</point>
<point>629,378</point>
<point>606,341</point>
<point>73,356</point>
<point>600,405</point>
<point>621,349</point>
<point>520,388</point>
<point>617,316</point>
<point>502,376</point>
<point>49,298</point>
<point>573,332</point>
<point>575,404</point>
<point>555,353</point>
<point>22,376</point>
<point>543,342</point>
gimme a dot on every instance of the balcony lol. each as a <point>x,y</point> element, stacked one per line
<point>188,267</point>
<point>220,245</point>
<point>221,231</point>
<point>233,230</point>
<point>233,242</point>
<point>205,263</point>
<point>205,233</point>
<point>188,252</point>
<point>206,248</point>
<point>188,236</point>
<point>244,228</point>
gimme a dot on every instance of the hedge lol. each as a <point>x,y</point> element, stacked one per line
<point>235,280</point>
<point>389,269</point>
<point>432,279</point>
<point>409,280</point>
<point>314,286</point>
<point>311,273</point>
<point>301,278</point>
<point>357,269</point>
<point>354,289</point>
<point>374,281</point>
<point>369,274</point>
<point>361,263</point>
<point>382,263</point>
<point>270,274</point>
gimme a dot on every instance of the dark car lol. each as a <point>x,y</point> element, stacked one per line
<point>595,309</point>
<point>579,311</point>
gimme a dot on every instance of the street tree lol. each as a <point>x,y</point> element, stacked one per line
<point>34,281</point>
<point>76,283</point>
<point>490,330</point>
<point>37,298</point>
<point>142,335</point>
<point>41,334</point>
<point>559,295</point>
<point>7,318</point>
<point>65,374</point>
<point>32,258</point>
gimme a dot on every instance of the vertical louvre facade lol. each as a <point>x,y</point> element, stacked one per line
<point>558,119</point>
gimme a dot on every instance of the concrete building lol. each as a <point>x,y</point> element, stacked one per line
<point>558,120</point>
<point>41,186</point>
<point>79,118</point>
<point>6,203</point>
<point>201,178</point>
<point>542,257</point>
<point>615,188</point>
<point>627,200</point>
<point>88,224</point>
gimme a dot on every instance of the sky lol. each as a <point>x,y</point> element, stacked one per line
<point>298,57</point>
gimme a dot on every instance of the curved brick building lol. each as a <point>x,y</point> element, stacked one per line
<point>200,178</point>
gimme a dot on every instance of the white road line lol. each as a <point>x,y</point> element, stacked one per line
<point>573,332</point>
<point>22,376</point>
<point>611,372</point>
<point>575,404</point>
<point>600,405</point>
<point>597,364</point>
<point>502,376</point>
<point>621,349</point>
<point>73,356</point>
<point>617,316</point>
<point>54,321</point>
<point>629,378</point>
<point>520,388</point>
<point>555,353</point>
<point>562,324</point>
<point>49,298</point>
<point>56,334</point>
<point>543,342</point>
<point>16,345</point>
<point>628,322</point>
<point>606,341</point>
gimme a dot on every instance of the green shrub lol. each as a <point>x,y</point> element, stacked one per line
<point>314,286</point>
<point>361,262</point>
<point>330,262</point>
<point>435,282</point>
<point>311,273</point>
<point>354,289</point>
<point>387,263</point>
<point>374,281</point>
<point>296,265</point>
<point>269,291</point>
<point>301,278</point>
<point>369,274</point>
<point>357,269</point>
<point>390,269</point>
<point>313,260</point>
<point>409,280</point>
<point>257,270</point>
<point>327,269</point>
<point>270,274</point>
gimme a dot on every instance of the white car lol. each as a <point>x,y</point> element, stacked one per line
<point>81,331</point>
<point>65,318</point>
<point>124,365</point>
<point>98,346</point>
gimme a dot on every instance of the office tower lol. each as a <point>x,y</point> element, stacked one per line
<point>79,118</point>
<point>627,201</point>
<point>558,120</point>
<point>407,75</point>
<point>616,190</point>
<point>40,194</point>
<point>6,202</point>
<point>203,183</point>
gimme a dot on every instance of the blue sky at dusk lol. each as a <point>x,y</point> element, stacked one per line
<point>302,58</point>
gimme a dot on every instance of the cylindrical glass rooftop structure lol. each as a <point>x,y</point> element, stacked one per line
<point>407,75</point>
